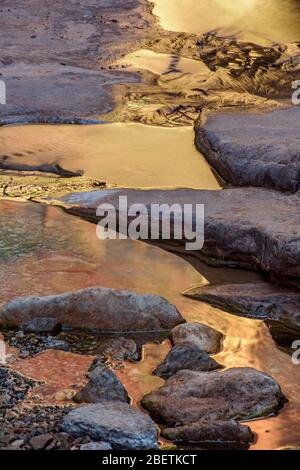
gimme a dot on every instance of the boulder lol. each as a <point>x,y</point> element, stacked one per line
<point>123,426</point>
<point>219,432</point>
<point>206,338</point>
<point>42,325</point>
<point>278,306</point>
<point>253,228</point>
<point>103,385</point>
<point>253,149</point>
<point>237,393</point>
<point>99,307</point>
<point>186,356</point>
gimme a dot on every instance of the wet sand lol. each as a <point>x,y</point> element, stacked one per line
<point>261,21</point>
<point>45,251</point>
<point>128,155</point>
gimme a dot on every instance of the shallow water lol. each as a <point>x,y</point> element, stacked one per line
<point>127,155</point>
<point>260,21</point>
<point>45,251</point>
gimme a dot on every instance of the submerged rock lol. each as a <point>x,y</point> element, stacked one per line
<point>244,227</point>
<point>253,149</point>
<point>205,338</point>
<point>123,426</point>
<point>185,356</point>
<point>42,325</point>
<point>278,306</point>
<point>98,307</point>
<point>103,385</point>
<point>119,349</point>
<point>221,432</point>
<point>238,393</point>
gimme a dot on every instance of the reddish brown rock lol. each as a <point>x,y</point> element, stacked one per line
<point>207,339</point>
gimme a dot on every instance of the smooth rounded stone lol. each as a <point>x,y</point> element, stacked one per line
<point>237,393</point>
<point>98,307</point>
<point>42,325</point>
<point>278,306</point>
<point>186,356</point>
<point>253,228</point>
<point>96,446</point>
<point>119,349</point>
<point>103,385</point>
<point>221,432</point>
<point>203,336</point>
<point>120,424</point>
<point>253,149</point>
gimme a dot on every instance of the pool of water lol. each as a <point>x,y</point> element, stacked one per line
<point>128,155</point>
<point>45,251</point>
<point>260,21</point>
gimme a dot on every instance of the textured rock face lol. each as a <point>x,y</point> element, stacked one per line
<point>102,308</point>
<point>238,393</point>
<point>278,306</point>
<point>241,228</point>
<point>103,385</point>
<point>119,349</point>
<point>185,356</point>
<point>42,325</point>
<point>205,338</point>
<point>253,149</point>
<point>123,426</point>
<point>222,432</point>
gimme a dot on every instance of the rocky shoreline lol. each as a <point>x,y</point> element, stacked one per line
<point>223,88</point>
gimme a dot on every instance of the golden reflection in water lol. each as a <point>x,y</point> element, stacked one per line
<point>45,251</point>
<point>128,155</point>
<point>260,21</point>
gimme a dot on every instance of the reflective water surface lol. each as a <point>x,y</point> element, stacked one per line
<point>45,251</point>
<point>260,21</point>
<point>128,155</point>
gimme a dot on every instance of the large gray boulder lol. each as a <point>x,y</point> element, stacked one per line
<point>97,307</point>
<point>204,337</point>
<point>120,424</point>
<point>278,306</point>
<point>185,356</point>
<point>254,228</point>
<point>103,385</point>
<point>253,149</point>
<point>238,393</point>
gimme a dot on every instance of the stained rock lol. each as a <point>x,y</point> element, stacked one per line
<point>186,356</point>
<point>119,349</point>
<point>123,426</point>
<point>42,325</point>
<point>221,432</point>
<point>252,228</point>
<point>207,339</point>
<point>237,393</point>
<point>103,385</point>
<point>253,149</point>
<point>278,306</point>
<point>98,307</point>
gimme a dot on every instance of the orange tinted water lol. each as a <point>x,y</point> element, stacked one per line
<point>45,251</point>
